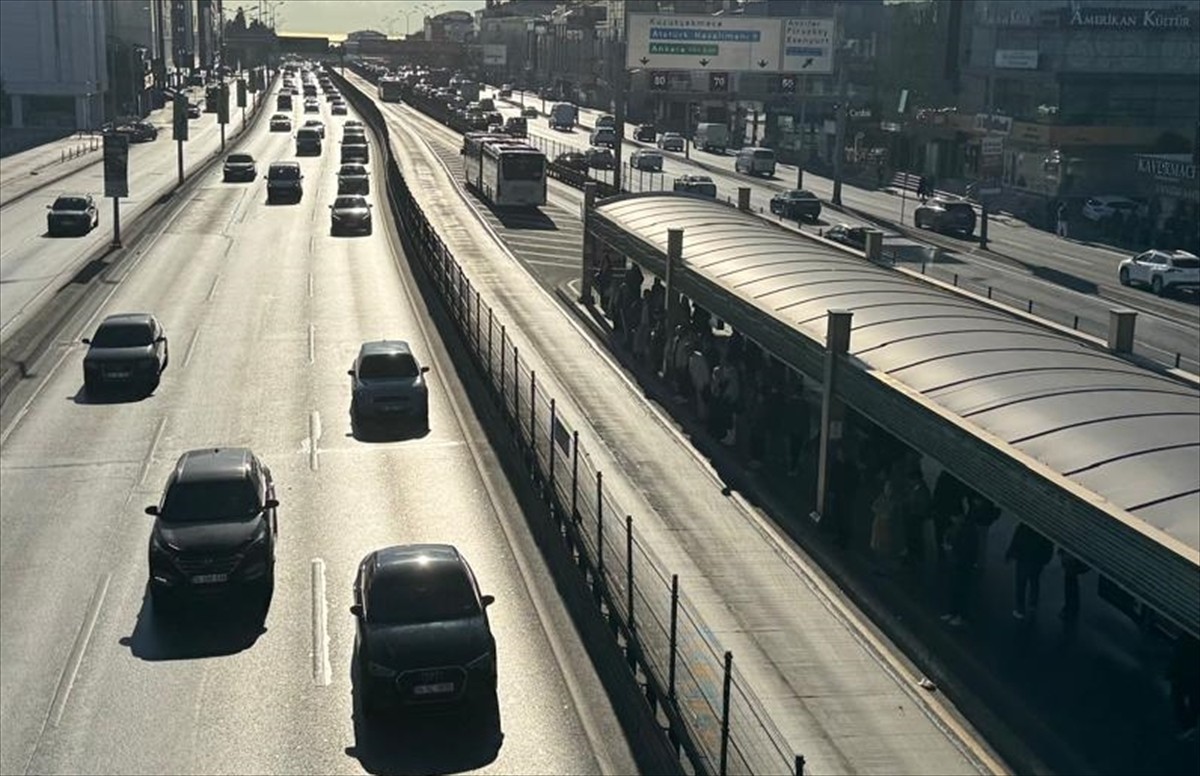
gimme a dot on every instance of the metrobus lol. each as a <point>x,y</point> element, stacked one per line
<point>505,172</point>
<point>389,89</point>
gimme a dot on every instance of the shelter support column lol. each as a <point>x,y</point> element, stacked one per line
<point>837,344</point>
<point>1121,325</point>
<point>589,245</point>
<point>670,302</point>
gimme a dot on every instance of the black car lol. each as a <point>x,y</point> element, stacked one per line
<point>516,126</point>
<point>137,131</point>
<point>240,167</point>
<point>387,383</point>
<point>947,215</point>
<point>600,158</point>
<point>529,112</point>
<point>281,123</point>
<point>573,160</point>
<point>351,213</point>
<point>854,236</point>
<point>284,182</point>
<point>353,179</point>
<point>797,204</point>
<point>76,213</point>
<point>215,529</point>
<point>127,350</point>
<point>646,133</point>
<point>422,637</point>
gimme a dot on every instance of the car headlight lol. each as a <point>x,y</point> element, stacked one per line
<point>380,670</point>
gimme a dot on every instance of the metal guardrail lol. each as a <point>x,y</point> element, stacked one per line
<point>712,716</point>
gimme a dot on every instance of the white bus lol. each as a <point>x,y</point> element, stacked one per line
<point>755,161</point>
<point>504,171</point>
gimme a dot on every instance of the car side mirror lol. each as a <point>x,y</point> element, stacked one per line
<point>86,341</point>
<point>424,369</point>
<point>49,207</point>
<point>152,510</point>
<point>487,600</point>
<point>271,503</point>
<point>350,372</point>
<point>356,610</point>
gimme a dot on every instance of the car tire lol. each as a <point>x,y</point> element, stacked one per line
<point>1156,285</point>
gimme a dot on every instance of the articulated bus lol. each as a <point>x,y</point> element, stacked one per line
<point>389,89</point>
<point>504,171</point>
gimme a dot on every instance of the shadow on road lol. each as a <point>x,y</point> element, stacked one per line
<point>388,431</point>
<point>128,395</point>
<point>214,629</point>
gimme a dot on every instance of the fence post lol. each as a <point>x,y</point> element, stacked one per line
<point>552,451</point>
<point>598,582</point>
<point>532,427</point>
<point>516,393</point>
<point>478,322</point>
<point>489,352</point>
<point>631,647</point>
<point>575,477</point>
<point>674,637</point>
<point>503,340</point>
<point>725,714</point>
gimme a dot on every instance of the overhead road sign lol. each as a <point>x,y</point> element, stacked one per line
<point>808,46</point>
<point>679,42</point>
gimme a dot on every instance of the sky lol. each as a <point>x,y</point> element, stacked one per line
<point>337,17</point>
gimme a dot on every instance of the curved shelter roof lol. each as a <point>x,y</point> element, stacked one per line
<point>1102,455</point>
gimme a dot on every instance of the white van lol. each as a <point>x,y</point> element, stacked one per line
<point>755,161</point>
<point>711,137</point>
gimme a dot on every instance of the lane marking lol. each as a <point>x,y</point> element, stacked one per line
<point>67,681</point>
<point>191,348</point>
<point>213,290</point>
<point>312,342</point>
<point>321,671</point>
<point>158,433</point>
<point>314,436</point>
<point>310,285</point>
<point>560,264</point>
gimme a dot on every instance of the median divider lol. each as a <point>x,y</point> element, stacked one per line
<point>708,712</point>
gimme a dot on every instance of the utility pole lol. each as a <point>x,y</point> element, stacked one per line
<point>802,84</point>
<point>622,87</point>
<point>840,135</point>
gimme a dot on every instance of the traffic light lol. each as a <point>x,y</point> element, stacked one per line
<point>718,82</point>
<point>659,81</point>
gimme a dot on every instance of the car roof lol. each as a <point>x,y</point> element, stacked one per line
<point>73,196</point>
<point>402,554</point>
<point>124,319</point>
<point>285,164</point>
<point>385,347</point>
<point>213,463</point>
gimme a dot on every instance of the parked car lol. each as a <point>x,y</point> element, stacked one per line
<point>947,215</point>
<point>215,530</point>
<point>696,184</point>
<point>240,167</point>
<point>388,384</point>
<point>284,182</point>
<point>350,213</point>
<point>646,159</point>
<point>76,213</point>
<point>128,350</point>
<point>573,160</point>
<point>354,179</point>
<point>797,204</point>
<point>600,158</point>
<point>671,141</point>
<point>853,236</point>
<point>645,133</point>
<point>1101,208</point>
<point>1162,271</point>
<point>422,636</point>
<point>281,123</point>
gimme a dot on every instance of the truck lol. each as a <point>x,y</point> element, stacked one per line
<point>563,115</point>
<point>468,90</point>
<point>711,137</point>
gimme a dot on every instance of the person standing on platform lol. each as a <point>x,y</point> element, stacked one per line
<point>1031,551</point>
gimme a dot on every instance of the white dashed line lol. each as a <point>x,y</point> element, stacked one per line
<point>321,670</point>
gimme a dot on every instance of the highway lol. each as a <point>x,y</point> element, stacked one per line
<point>838,690</point>
<point>265,312</point>
<point>1065,279</point>
<point>33,264</point>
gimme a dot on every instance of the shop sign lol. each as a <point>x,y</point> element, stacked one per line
<point>992,145</point>
<point>1017,59</point>
<point>991,123</point>
<point>1166,167</point>
<point>1027,132</point>
<point>1131,18</point>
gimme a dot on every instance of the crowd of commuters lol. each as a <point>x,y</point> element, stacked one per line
<point>880,506</point>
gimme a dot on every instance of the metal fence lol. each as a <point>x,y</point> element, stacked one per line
<point>710,714</point>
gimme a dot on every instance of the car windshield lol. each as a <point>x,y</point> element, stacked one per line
<point>285,173</point>
<point>344,203</point>
<point>764,154</point>
<point>801,194</point>
<point>70,203</point>
<point>209,500</point>
<point>388,365</point>
<point>416,593</point>
<point>524,166</point>
<point>122,335</point>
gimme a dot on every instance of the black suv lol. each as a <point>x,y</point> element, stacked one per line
<point>422,639</point>
<point>215,529</point>
<point>284,182</point>
<point>127,350</point>
<point>947,215</point>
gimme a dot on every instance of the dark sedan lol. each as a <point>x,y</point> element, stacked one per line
<point>796,204</point>
<point>127,350</point>
<point>573,160</point>
<point>854,236</point>
<point>422,641</point>
<point>351,213</point>
<point>136,131</point>
<point>240,167</point>
<point>947,215</point>
<point>75,213</point>
<point>600,158</point>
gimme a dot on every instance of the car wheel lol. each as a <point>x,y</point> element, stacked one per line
<point>1123,276</point>
<point>1156,285</point>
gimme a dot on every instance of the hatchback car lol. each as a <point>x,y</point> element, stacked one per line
<point>1162,271</point>
<point>281,123</point>
<point>696,184</point>
<point>354,179</point>
<point>600,158</point>
<point>76,213</point>
<point>128,350</point>
<point>215,529</point>
<point>422,637</point>
<point>797,204</point>
<point>284,182</point>
<point>388,384</point>
<point>646,159</point>
<point>671,141</point>
<point>349,214</point>
<point>946,215</point>
<point>240,167</point>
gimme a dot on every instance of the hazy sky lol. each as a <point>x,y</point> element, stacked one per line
<point>337,17</point>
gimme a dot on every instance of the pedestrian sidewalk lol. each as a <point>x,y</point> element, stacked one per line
<point>1088,698</point>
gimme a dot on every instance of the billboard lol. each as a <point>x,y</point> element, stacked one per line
<point>116,165</point>
<point>807,46</point>
<point>679,42</point>
<point>495,54</point>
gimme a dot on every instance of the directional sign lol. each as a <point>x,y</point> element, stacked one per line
<point>241,93</point>
<point>724,43</point>
<point>787,84</point>
<point>660,81</point>
<point>116,165</point>
<point>180,117</point>
<point>808,46</point>
<point>223,104</point>
<point>718,82</point>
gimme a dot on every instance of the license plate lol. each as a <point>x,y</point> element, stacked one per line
<point>433,689</point>
<point>120,375</point>
<point>209,579</point>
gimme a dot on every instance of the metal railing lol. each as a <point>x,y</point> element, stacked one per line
<point>711,715</point>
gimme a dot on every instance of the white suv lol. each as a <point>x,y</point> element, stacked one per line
<point>1099,208</point>
<point>1163,271</point>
